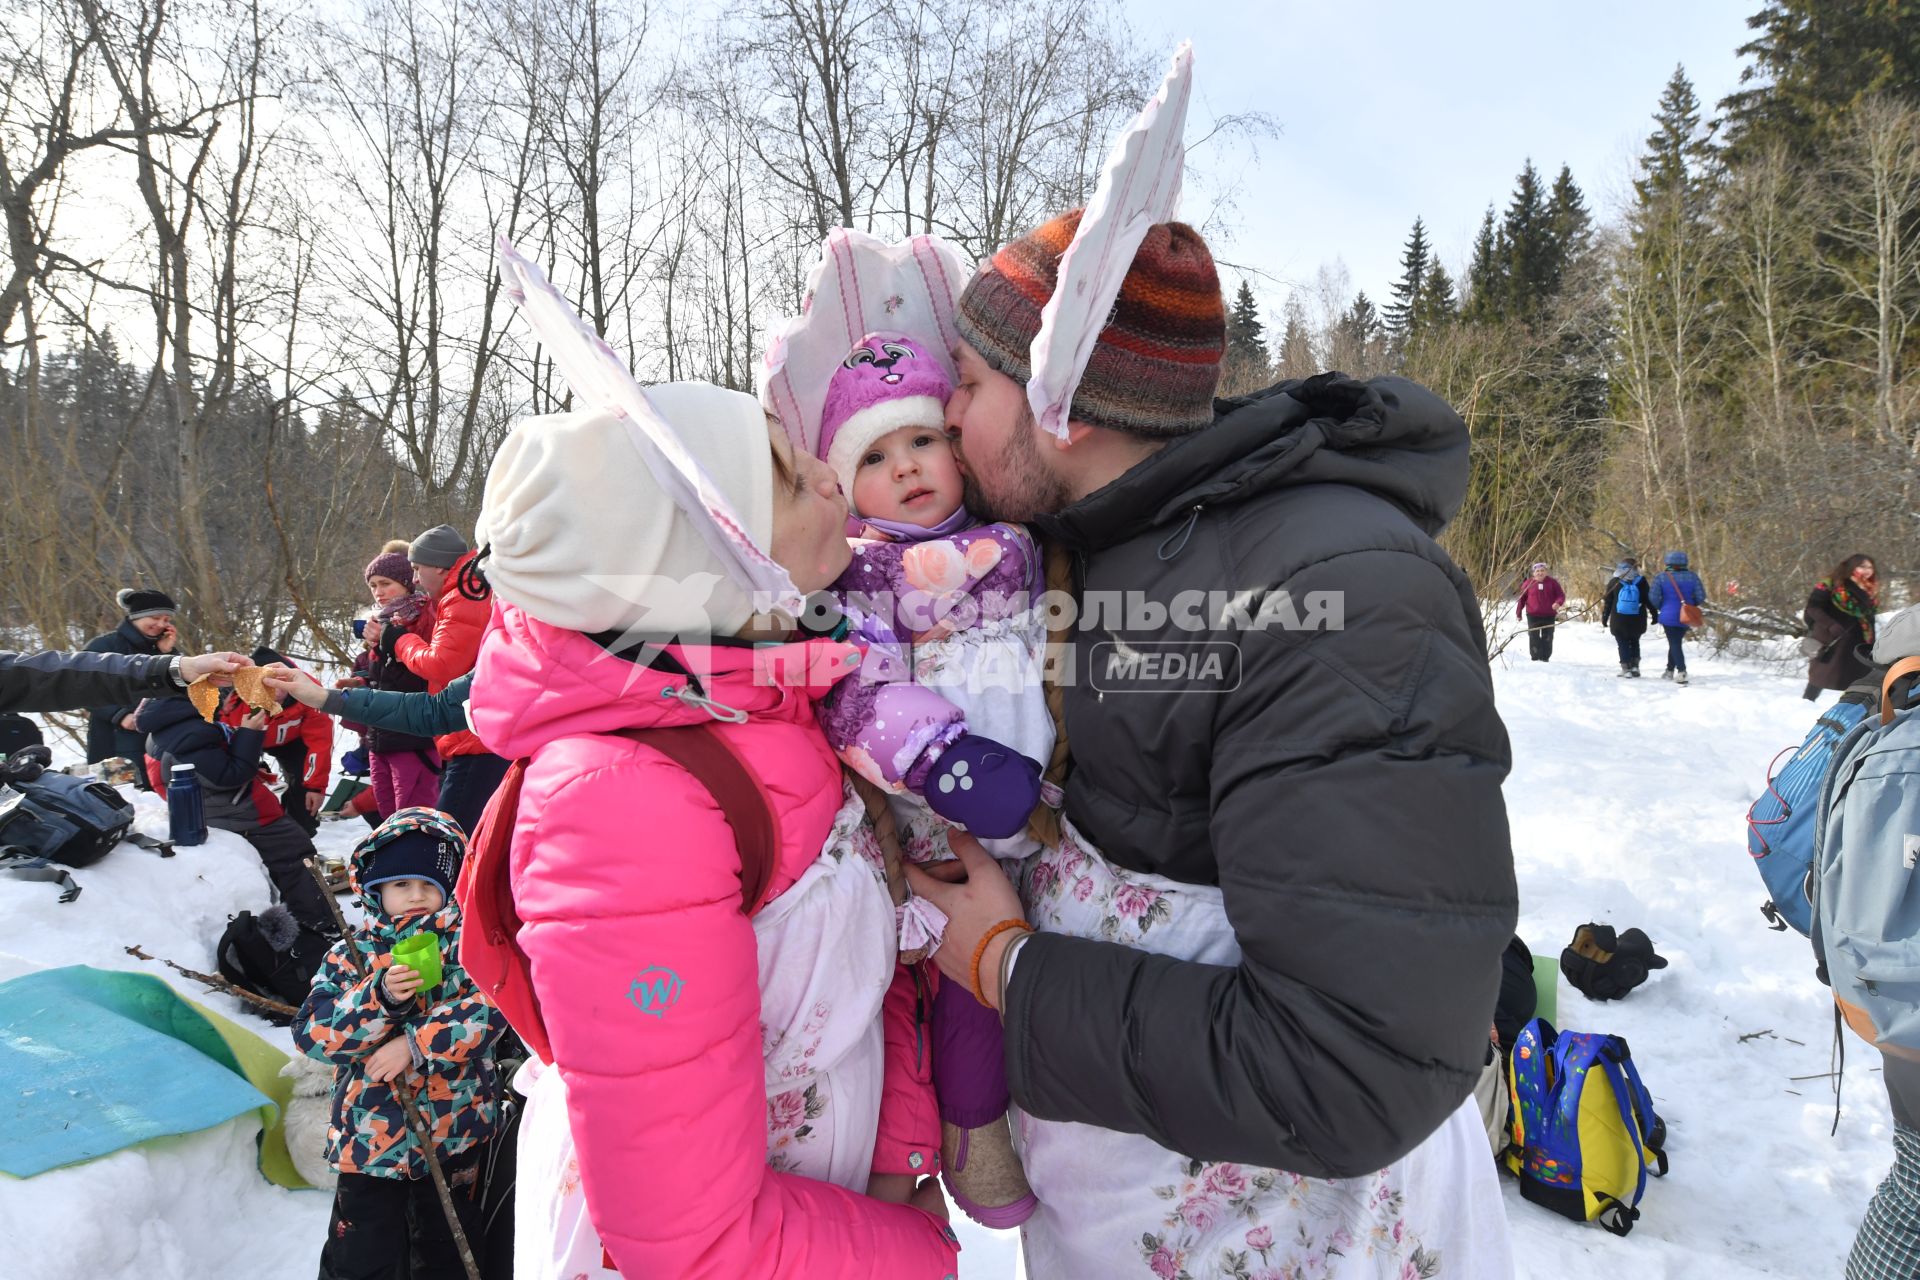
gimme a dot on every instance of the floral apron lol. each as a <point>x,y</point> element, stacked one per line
<point>1116,1205</point>
<point>827,955</point>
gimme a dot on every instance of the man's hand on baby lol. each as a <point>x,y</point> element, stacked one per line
<point>985,786</point>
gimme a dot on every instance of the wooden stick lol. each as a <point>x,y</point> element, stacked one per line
<point>409,1098</point>
<point>217,983</point>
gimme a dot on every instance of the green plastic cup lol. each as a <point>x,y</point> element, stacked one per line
<point>421,953</point>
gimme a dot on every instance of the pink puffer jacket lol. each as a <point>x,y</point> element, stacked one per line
<point>622,866</point>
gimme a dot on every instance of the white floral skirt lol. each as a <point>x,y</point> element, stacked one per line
<point>1116,1204</point>
<point>827,953</point>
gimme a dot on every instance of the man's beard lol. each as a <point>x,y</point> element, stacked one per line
<point>1032,488</point>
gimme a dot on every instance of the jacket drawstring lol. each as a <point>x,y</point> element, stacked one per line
<point>692,697</point>
<point>1176,541</point>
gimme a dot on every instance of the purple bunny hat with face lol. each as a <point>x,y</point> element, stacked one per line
<point>884,383</point>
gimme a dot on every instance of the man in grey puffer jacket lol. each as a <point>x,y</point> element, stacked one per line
<point>1337,778</point>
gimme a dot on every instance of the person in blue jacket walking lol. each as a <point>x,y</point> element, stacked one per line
<point>1669,592</point>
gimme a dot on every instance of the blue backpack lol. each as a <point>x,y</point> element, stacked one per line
<point>1584,1129</point>
<point>1627,603</point>
<point>1866,925</point>
<point>1781,822</point>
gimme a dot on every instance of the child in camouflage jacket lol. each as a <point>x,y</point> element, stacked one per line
<point>382,1028</point>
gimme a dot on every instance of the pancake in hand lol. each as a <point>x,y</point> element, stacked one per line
<point>252,688</point>
<point>205,697</point>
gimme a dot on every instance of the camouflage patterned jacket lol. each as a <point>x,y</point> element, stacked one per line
<point>451,1030</point>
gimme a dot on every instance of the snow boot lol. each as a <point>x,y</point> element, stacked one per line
<point>1667,674</point>
<point>1625,671</point>
<point>983,1174</point>
<point>1680,678</point>
<point>1635,673</point>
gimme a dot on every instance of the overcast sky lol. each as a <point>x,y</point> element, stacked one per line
<point>1392,108</point>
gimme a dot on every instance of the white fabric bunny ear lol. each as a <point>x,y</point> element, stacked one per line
<point>1139,186</point>
<point>862,285</point>
<point>600,380</point>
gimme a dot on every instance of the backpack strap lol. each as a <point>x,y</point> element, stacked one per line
<point>743,801</point>
<point>1897,672</point>
<point>490,938</point>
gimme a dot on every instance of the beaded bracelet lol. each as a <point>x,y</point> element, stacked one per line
<point>980,949</point>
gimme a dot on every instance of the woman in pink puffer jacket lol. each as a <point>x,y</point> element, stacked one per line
<point>715,1104</point>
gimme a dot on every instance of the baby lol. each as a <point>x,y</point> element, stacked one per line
<point>947,713</point>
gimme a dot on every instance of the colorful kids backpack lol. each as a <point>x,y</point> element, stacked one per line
<point>1780,823</point>
<point>1584,1129</point>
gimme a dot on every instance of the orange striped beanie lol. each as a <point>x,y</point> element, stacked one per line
<point>1156,363</point>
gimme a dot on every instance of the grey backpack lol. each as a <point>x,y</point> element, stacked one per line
<point>1866,908</point>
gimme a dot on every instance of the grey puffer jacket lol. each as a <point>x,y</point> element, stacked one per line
<point>1340,786</point>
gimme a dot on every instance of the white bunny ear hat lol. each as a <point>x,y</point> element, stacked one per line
<point>585,513</point>
<point>862,287</point>
<point>1112,314</point>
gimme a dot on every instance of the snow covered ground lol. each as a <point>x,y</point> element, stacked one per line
<point>1626,799</point>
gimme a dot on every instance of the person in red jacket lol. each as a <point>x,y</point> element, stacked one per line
<point>300,740</point>
<point>469,773</point>
<point>1540,601</point>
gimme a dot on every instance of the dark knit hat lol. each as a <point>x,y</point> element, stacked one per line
<point>438,548</point>
<point>420,854</point>
<point>265,657</point>
<point>391,564</point>
<point>145,604</point>
<point>1156,363</point>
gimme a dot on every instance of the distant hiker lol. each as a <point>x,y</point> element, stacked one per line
<point>1540,601</point>
<point>405,768</point>
<point>1839,614</point>
<point>387,1030</point>
<point>1625,612</point>
<point>148,629</point>
<point>1677,595</point>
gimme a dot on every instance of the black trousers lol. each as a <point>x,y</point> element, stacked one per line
<point>1540,637</point>
<point>292,759</point>
<point>284,850</point>
<point>1629,645</point>
<point>466,784</point>
<point>396,1229</point>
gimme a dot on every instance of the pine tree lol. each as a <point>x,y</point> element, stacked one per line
<point>1569,226</point>
<point>1402,314</point>
<point>1437,307</point>
<point>1813,60</point>
<point>1296,358</point>
<point>1362,321</point>
<point>1486,275</point>
<point>1247,365</point>
<point>1678,152</point>
<point>1528,244</point>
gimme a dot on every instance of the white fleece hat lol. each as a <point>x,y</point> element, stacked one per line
<point>583,538</point>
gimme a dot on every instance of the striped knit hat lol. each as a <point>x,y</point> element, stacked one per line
<point>1155,364</point>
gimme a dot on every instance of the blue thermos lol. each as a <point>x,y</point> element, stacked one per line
<point>186,810</point>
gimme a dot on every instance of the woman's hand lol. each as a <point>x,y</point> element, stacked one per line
<point>168,637</point>
<point>974,906</point>
<point>350,682</point>
<point>391,1059</point>
<point>288,683</point>
<point>372,634</point>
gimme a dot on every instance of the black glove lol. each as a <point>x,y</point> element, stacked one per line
<point>389,636</point>
<point>1604,966</point>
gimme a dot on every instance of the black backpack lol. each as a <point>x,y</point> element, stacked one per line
<point>56,818</point>
<point>272,955</point>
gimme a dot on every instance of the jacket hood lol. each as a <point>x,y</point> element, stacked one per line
<point>378,924</point>
<point>1386,435</point>
<point>535,682</point>
<point>158,714</point>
